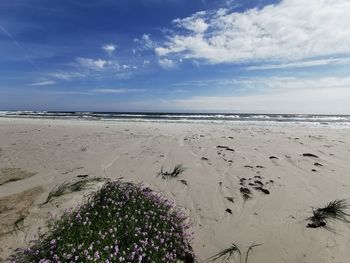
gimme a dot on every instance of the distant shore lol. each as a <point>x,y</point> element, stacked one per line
<point>244,181</point>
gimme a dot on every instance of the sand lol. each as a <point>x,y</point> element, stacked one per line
<point>13,174</point>
<point>265,158</point>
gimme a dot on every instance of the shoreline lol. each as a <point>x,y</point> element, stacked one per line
<point>79,121</point>
<point>322,119</point>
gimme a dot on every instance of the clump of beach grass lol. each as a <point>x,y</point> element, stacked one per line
<point>121,222</point>
<point>178,169</point>
<point>70,187</point>
<point>333,211</point>
<point>233,252</point>
<point>57,191</point>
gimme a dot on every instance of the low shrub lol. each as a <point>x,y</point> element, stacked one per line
<point>122,222</point>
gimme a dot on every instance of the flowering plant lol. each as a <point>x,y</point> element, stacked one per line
<point>122,222</point>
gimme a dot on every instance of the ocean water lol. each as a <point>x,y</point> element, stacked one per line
<point>179,117</point>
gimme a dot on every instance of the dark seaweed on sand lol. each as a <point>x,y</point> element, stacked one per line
<point>246,193</point>
<point>310,155</point>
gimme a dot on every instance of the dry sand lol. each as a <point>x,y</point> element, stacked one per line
<point>37,155</point>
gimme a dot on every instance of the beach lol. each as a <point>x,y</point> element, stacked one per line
<point>244,182</point>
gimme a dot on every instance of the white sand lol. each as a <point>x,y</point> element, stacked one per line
<point>59,150</point>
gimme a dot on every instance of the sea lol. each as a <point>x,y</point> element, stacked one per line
<point>178,117</point>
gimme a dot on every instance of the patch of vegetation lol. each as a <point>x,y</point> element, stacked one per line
<point>57,191</point>
<point>335,211</point>
<point>18,224</point>
<point>178,169</point>
<point>121,222</point>
<point>70,187</point>
<point>233,253</point>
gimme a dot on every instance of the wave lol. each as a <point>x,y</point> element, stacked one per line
<point>146,116</point>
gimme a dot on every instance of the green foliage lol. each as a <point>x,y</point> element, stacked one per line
<point>232,251</point>
<point>70,187</point>
<point>178,169</point>
<point>335,210</point>
<point>121,222</point>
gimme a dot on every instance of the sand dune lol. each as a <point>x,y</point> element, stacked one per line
<point>243,183</point>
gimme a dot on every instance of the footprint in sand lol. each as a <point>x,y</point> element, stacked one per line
<point>255,183</point>
<point>72,170</point>
<point>224,152</point>
<point>254,220</point>
<point>184,182</point>
<point>310,155</point>
<point>225,148</point>
<point>206,160</point>
<point>230,199</point>
<point>228,210</point>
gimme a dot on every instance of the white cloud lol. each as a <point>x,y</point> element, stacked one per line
<point>167,63</point>
<point>303,64</point>
<point>329,101</point>
<point>67,92</point>
<point>288,31</point>
<point>269,84</point>
<point>94,64</point>
<point>195,23</point>
<point>273,84</point>
<point>109,48</point>
<point>329,95</point>
<point>145,42</point>
<point>124,66</point>
<point>67,75</point>
<point>117,90</point>
<point>43,83</point>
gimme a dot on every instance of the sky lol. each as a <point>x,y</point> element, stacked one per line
<point>255,56</point>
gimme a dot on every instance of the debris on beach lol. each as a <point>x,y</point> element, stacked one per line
<point>310,155</point>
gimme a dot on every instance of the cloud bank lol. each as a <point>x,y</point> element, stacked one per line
<point>288,31</point>
<point>277,95</point>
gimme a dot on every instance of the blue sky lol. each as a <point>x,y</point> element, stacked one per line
<point>287,56</point>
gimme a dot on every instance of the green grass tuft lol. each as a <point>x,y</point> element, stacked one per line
<point>57,191</point>
<point>227,253</point>
<point>178,169</point>
<point>335,210</point>
<point>70,187</point>
<point>232,251</point>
